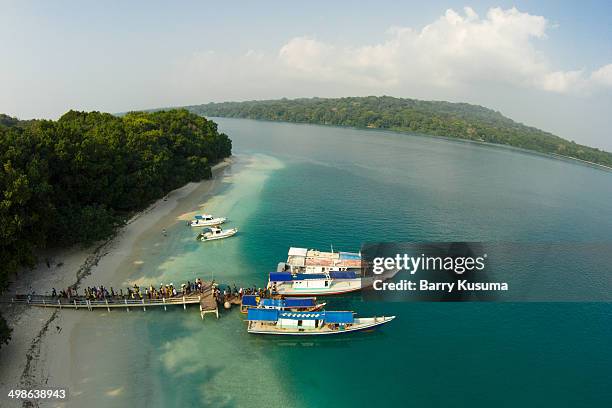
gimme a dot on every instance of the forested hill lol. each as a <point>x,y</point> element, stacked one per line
<point>457,120</point>
<point>76,179</point>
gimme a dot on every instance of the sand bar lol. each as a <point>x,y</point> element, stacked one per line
<point>41,337</point>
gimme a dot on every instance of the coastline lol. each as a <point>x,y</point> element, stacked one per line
<point>554,156</point>
<point>40,343</point>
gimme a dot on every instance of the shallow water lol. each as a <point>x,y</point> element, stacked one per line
<point>314,186</point>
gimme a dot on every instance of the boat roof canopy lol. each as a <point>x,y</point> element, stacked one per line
<point>288,277</point>
<point>249,300</point>
<point>339,317</point>
<point>273,302</point>
<point>272,315</point>
<point>349,256</point>
<point>281,277</point>
<point>299,302</point>
<point>293,251</point>
<point>303,315</point>
<point>328,317</point>
<point>306,276</point>
<point>342,274</point>
<point>203,216</point>
<point>265,315</point>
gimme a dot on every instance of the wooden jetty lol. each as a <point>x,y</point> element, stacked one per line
<point>208,304</point>
<point>205,299</point>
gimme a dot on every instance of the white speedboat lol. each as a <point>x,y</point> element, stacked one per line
<point>212,233</point>
<point>274,321</point>
<point>206,220</point>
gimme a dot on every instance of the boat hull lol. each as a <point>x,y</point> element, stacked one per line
<point>338,287</point>
<point>316,292</point>
<point>359,325</point>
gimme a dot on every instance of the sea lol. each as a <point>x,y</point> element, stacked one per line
<point>329,187</point>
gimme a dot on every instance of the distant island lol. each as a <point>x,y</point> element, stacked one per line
<point>75,180</point>
<point>437,118</point>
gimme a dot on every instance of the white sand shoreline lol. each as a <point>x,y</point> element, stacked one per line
<point>39,352</point>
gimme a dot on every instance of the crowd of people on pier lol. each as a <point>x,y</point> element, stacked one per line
<point>135,292</point>
<point>236,293</point>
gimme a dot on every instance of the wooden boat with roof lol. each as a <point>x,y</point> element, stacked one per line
<point>302,260</point>
<point>316,284</point>
<point>301,304</point>
<point>274,321</point>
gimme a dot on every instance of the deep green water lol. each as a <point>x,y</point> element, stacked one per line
<point>313,186</point>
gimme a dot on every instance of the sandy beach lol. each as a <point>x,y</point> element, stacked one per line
<point>41,338</point>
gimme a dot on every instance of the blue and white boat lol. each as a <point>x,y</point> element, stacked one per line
<point>301,304</point>
<point>274,321</point>
<point>315,284</point>
<point>206,220</point>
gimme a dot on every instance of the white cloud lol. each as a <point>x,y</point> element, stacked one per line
<point>563,81</point>
<point>460,55</point>
<point>455,50</point>
<point>496,60</point>
<point>603,75</point>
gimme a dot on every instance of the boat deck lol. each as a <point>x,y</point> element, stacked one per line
<point>312,257</point>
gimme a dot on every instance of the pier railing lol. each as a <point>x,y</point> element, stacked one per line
<point>206,296</point>
<point>108,303</point>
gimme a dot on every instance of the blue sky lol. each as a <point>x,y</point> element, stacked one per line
<point>543,63</point>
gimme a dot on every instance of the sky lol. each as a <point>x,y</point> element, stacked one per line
<point>547,64</point>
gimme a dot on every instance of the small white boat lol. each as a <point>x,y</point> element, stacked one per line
<point>212,233</point>
<point>206,220</point>
<point>274,321</point>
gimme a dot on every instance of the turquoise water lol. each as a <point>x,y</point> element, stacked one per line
<point>313,186</point>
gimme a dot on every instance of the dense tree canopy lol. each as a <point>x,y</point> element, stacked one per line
<point>76,179</point>
<point>458,120</point>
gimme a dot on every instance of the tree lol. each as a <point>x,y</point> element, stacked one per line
<point>459,120</point>
<point>75,180</point>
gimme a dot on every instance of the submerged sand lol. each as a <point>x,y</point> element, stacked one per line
<point>41,338</point>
